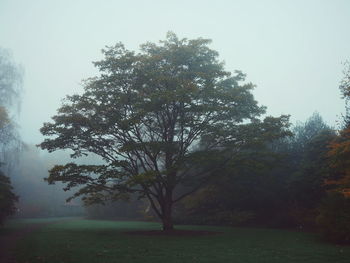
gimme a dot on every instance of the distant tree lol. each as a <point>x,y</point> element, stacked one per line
<point>245,191</point>
<point>7,197</point>
<point>10,91</point>
<point>305,169</point>
<point>6,126</point>
<point>339,156</point>
<point>345,91</point>
<point>145,116</point>
<point>339,153</point>
<point>280,183</point>
<point>8,136</point>
<point>10,79</point>
<point>306,185</point>
<point>309,145</point>
<point>10,88</point>
<point>304,132</point>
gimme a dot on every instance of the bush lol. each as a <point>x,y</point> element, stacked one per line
<point>333,220</point>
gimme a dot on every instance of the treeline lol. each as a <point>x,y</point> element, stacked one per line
<point>10,144</point>
<point>300,181</point>
<point>289,183</point>
<point>277,185</point>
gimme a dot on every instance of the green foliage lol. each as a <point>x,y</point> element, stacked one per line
<point>307,185</point>
<point>245,192</point>
<point>145,116</point>
<point>334,217</point>
<point>306,167</point>
<point>7,198</point>
<point>281,182</point>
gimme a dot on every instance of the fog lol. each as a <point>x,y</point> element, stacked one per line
<point>292,50</point>
<point>37,198</point>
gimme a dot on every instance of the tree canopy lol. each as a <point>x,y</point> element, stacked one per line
<point>274,184</point>
<point>158,118</point>
<point>10,91</point>
<point>10,79</point>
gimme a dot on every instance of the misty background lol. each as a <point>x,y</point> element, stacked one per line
<point>293,51</point>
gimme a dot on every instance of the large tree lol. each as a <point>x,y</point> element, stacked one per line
<point>158,118</point>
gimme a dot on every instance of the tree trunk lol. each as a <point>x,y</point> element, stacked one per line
<point>167,214</point>
<point>167,223</point>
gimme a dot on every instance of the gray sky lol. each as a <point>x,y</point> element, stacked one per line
<point>292,50</point>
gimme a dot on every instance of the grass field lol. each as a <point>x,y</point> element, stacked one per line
<point>17,224</point>
<point>106,241</point>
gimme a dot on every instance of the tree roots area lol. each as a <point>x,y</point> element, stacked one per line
<point>80,240</point>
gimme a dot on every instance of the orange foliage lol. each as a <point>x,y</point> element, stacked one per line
<point>339,155</point>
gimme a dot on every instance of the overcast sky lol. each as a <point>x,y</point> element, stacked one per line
<point>292,50</point>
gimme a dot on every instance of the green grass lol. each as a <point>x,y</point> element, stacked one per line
<point>104,241</point>
<point>17,224</point>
